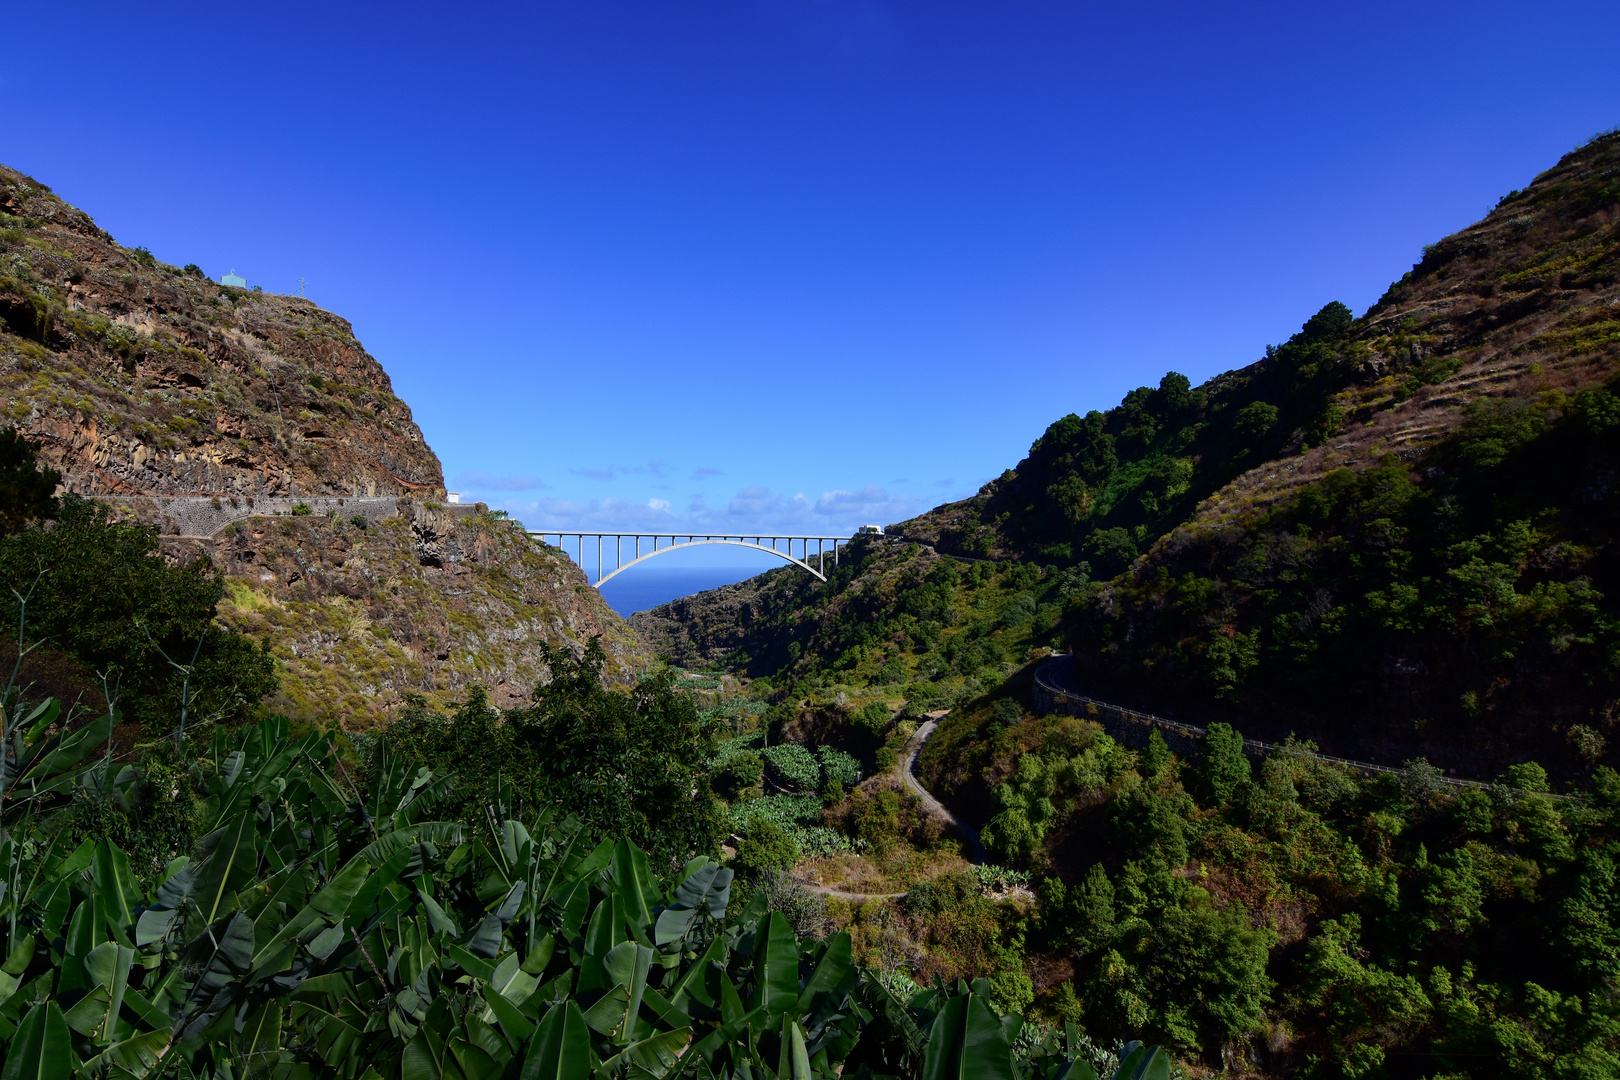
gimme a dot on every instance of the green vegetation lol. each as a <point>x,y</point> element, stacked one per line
<point>1101,488</point>
<point>632,766</point>
<point>895,622</point>
<point>1474,589</point>
<point>330,926</point>
<point>25,489</point>
<point>1299,910</point>
<point>1201,553</point>
<point>130,625</point>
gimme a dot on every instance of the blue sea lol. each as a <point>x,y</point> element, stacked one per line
<point>646,587</point>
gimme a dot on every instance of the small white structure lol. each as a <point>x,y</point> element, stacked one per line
<point>874,530</point>
<point>452,496</point>
<point>233,280</point>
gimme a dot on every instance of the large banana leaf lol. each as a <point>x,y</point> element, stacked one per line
<point>42,1048</point>
<point>561,1049</point>
<point>1138,1062</point>
<point>967,1042</point>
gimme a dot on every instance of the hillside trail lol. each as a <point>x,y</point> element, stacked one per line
<point>908,776</point>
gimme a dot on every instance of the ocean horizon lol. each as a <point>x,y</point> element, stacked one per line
<point>646,587</point>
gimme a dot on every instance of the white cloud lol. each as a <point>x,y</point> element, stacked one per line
<point>753,509</point>
<point>613,472</point>
<point>871,504</point>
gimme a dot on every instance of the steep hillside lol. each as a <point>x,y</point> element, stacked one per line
<point>1176,483</point>
<point>896,618</point>
<point>142,378</point>
<point>1446,563</point>
<point>1518,304</point>
<point>150,385</point>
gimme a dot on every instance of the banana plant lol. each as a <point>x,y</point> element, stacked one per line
<point>321,928</point>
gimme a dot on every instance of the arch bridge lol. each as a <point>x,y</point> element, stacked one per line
<point>648,546</point>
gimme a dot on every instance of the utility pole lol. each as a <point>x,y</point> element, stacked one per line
<point>301,287</point>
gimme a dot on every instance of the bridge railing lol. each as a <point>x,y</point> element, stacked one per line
<point>780,545</point>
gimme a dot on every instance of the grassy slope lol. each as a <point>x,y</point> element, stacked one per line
<point>357,621</point>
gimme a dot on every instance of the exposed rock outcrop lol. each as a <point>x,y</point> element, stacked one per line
<point>140,378</point>
<point>255,429</point>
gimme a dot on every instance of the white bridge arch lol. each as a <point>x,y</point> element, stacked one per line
<point>825,545</point>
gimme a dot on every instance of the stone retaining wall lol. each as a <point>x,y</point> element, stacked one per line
<point>204,516</point>
<point>1132,728</point>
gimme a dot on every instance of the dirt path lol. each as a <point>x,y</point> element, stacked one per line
<point>908,776</point>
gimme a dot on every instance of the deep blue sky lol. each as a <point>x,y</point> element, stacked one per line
<point>773,265</point>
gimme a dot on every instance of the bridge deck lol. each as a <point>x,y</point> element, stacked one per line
<point>758,541</point>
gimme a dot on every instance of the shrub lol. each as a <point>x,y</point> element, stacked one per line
<point>1003,715</point>
<point>767,847</point>
<point>741,772</point>
<point>891,671</point>
<point>944,893</point>
<point>25,489</point>
<point>877,816</point>
<point>873,717</point>
<point>1020,609</point>
<point>632,765</point>
<point>805,911</point>
<point>302,510</point>
<point>1254,420</point>
<point>1224,767</point>
<point>114,604</point>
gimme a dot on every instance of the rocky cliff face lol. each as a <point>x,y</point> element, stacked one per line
<point>141,378</point>
<point>254,429</point>
<point>362,613</point>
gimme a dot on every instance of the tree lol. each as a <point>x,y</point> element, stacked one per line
<point>633,763</point>
<point>103,593</point>
<point>1224,766</point>
<point>26,490</point>
<point>1254,420</point>
<point>767,847</point>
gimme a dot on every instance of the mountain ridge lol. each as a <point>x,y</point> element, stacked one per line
<point>1520,307</point>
